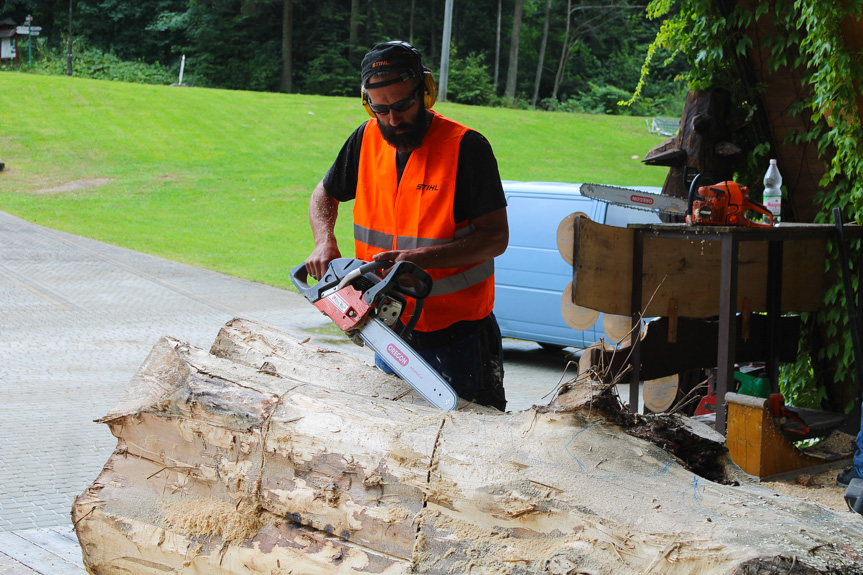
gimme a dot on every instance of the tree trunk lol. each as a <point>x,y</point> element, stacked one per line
<point>411,28</point>
<point>701,146</point>
<point>354,31</point>
<point>565,51</point>
<point>497,46</point>
<point>286,83</point>
<point>541,62</point>
<point>272,456</point>
<point>512,72</point>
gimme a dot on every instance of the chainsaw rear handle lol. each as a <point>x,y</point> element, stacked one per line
<point>776,405</point>
<point>756,207</point>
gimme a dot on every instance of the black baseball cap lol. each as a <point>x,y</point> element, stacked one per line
<point>396,57</point>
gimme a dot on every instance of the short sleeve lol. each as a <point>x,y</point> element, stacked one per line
<point>478,190</point>
<point>340,181</point>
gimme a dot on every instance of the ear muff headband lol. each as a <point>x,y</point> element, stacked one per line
<point>429,93</point>
<point>429,86</point>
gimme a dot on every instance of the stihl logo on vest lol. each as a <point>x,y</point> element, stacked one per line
<point>397,354</point>
<point>427,187</point>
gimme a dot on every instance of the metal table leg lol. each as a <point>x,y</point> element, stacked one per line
<point>637,272</point>
<point>727,324</point>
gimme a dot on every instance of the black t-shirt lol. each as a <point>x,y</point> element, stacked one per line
<point>478,190</point>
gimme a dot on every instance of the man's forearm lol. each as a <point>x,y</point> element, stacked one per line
<point>323,212</point>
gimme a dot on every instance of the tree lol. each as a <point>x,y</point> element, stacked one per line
<point>286,83</point>
<point>512,72</point>
<point>540,62</point>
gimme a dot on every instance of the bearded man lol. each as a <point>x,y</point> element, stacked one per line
<point>426,189</point>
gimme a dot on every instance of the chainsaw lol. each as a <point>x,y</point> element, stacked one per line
<point>713,204</point>
<point>368,307</point>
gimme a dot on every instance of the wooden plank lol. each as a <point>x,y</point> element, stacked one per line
<point>756,444</point>
<point>35,557</point>
<point>687,271</point>
<point>55,542</point>
<point>9,566</point>
<point>602,268</point>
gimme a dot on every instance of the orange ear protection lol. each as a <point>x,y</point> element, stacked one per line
<point>428,83</point>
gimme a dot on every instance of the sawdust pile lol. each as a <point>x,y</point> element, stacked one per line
<point>820,488</point>
<point>208,517</point>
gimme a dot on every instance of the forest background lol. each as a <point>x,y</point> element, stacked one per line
<point>569,55</point>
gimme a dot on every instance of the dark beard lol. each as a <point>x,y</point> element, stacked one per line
<point>406,142</point>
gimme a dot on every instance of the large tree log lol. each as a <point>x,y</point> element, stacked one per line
<point>223,467</point>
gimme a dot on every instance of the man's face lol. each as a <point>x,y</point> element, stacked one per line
<point>404,130</point>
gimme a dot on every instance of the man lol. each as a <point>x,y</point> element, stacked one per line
<point>426,190</point>
<point>854,471</point>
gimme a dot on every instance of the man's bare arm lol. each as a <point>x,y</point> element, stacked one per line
<point>488,240</point>
<point>323,211</point>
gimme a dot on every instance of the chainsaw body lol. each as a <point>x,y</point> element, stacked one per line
<point>724,204</point>
<point>367,306</point>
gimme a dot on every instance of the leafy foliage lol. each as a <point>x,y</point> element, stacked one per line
<point>237,44</point>
<point>469,81</point>
<point>93,63</point>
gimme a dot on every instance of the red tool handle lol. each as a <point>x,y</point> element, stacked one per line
<point>776,403</point>
<point>756,207</point>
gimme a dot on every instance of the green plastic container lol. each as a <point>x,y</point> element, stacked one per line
<point>751,385</point>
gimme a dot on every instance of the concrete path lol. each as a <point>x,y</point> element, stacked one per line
<point>77,318</point>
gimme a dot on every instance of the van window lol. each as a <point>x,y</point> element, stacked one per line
<point>620,216</point>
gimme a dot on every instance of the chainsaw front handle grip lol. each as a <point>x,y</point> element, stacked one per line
<point>364,269</point>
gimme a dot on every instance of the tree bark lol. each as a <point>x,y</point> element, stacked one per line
<point>541,61</point>
<point>353,40</point>
<point>497,45</point>
<point>565,51</point>
<point>512,71</point>
<point>234,463</point>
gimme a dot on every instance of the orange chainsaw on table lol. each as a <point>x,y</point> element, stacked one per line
<point>709,204</point>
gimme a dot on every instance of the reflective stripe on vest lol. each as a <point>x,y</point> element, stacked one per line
<point>385,241</point>
<point>418,212</point>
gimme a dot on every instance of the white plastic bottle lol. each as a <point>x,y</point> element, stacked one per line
<point>773,191</point>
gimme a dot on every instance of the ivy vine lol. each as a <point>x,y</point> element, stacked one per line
<point>710,34</point>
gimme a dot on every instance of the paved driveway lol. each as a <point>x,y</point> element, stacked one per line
<point>77,318</point>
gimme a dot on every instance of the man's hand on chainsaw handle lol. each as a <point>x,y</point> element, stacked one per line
<point>323,211</point>
<point>488,240</point>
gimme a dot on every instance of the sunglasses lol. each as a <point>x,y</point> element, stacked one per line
<point>400,106</point>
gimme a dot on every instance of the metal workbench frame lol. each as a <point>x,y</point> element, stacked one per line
<point>730,239</point>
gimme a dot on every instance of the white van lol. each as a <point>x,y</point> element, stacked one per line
<point>531,276</point>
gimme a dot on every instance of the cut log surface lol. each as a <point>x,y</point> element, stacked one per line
<point>224,465</point>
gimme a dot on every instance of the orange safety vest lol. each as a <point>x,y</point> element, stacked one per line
<point>417,212</point>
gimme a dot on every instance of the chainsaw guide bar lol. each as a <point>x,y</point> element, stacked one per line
<point>635,199</point>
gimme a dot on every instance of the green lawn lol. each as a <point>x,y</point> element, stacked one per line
<point>220,179</point>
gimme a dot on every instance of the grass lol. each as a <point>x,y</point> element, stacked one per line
<point>221,179</point>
